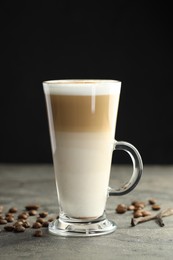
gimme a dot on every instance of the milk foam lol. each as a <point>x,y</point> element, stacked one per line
<point>82,87</point>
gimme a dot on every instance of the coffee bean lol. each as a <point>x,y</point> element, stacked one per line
<point>26,213</point>
<point>38,233</point>
<point>22,220</point>
<point>37,225</point>
<point>137,214</point>
<point>51,219</point>
<point>3,221</point>
<point>9,219</point>
<point>45,224</point>
<point>40,220</point>
<point>18,223</point>
<point>152,201</point>
<point>134,202</point>
<point>121,208</point>
<point>146,213</point>
<point>9,228</point>
<point>26,224</point>
<point>19,228</point>
<point>155,207</point>
<point>9,215</point>
<point>32,212</point>
<point>32,206</point>
<point>131,207</point>
<point>139,205</point>
<point>12,210</point>
<point>22,216</point>
<point>2,217</point>
<point>43,214</point>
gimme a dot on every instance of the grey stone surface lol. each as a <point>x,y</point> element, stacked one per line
<point>24,184</point>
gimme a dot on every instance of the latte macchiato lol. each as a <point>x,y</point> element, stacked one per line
<point>82,122</point>
<point>82,117</point>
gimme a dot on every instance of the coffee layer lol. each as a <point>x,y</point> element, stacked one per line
<point>84,113</point>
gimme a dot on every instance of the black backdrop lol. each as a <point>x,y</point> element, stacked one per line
<point>130,41</point>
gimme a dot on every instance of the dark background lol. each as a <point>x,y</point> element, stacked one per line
<point>130,41</point>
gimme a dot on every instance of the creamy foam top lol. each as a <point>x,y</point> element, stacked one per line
<point>82,87</point>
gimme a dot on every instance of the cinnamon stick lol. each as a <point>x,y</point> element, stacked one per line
<point>158,217</point>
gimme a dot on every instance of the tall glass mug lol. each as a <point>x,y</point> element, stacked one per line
<point>82,117</point>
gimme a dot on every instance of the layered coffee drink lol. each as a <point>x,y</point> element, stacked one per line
<point>82,119</point>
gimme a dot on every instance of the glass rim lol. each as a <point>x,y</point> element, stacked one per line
<point>81,82</point>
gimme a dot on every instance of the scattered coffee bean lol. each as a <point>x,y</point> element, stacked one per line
<point>9,228</point>
<point>10,219</point>
<point>40,220</point>
<point>50,219</point>
<point>9,215</point>
<point>152,201</point>
<point>32,206</point>
<point>13,210</point>
<point>22,220</point>
<point>26,213</point>
<point>22,223</point>
<point>3,221</point>
<point>32,212</point>
<point>26,224</point>
<point>22,216</point>
<point>43,214</point>
<point>38,233</point>
<point>121,208</point>
<point>45,224</point>
<point>139,205</point>
<point>19,228</point>
<point>155,207</point>
<point>18,223</point>
<point>37,225</point>
<point>131,207</point>
<point>146,213</point>
<point>136,203</point>
<point>137,214</point>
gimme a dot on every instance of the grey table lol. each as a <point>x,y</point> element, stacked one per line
<point>25,184</point>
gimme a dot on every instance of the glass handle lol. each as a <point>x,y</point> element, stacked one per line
<point>137,168</point>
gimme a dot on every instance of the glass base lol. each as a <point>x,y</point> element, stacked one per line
<point>98,227</point>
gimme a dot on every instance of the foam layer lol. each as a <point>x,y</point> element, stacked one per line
<point>82,87</point>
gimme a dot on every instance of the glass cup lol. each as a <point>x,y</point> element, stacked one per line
<point>82,117</point>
